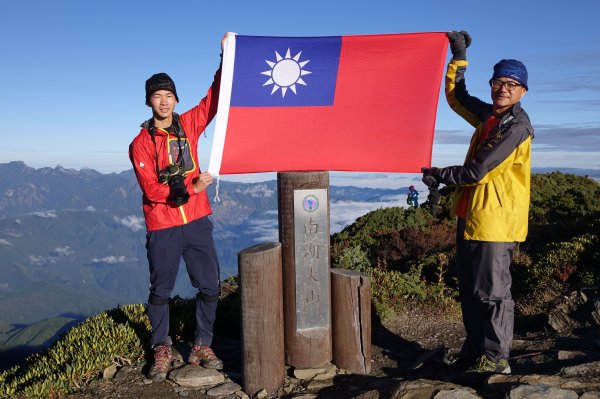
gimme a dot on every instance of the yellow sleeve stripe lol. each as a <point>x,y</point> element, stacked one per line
<point>470,117</point>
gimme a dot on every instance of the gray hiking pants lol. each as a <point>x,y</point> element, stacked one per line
<point>484,287</point>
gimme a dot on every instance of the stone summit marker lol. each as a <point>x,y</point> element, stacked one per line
<point>311,249</point>
<point>304,236</point>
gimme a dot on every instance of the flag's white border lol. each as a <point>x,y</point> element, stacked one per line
<point>216,153</point>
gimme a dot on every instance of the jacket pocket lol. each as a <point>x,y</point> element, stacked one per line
<point>487,197</point>
<point>499,191</point>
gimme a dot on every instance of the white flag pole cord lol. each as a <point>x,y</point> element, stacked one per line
<point>216,154</point>
<point>217,199</point>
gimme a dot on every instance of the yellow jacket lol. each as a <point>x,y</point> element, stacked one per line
<point>499,167</point>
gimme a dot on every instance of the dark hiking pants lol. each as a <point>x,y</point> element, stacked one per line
<point>194,242</point>
<point>485,298</point>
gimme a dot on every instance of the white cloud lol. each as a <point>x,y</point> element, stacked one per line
<point>111,260</point>
<point>344,213</point>
<point>577,139</point>
<point>90,208</point>
<point>38,260</point>
<point>135,223</point>
<point>64,251</point>
<point>226,234</point>
<point>4,242</point>
<point>45,214</point>
<point>374,179</point>
<point>264,230</point>
<point>356,179</point>
<point>249,177</point>
<point>257,191</point>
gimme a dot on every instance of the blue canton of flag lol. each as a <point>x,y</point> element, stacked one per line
<point>285,72</point>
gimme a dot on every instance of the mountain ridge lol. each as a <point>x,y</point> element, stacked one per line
<point>72,243</point>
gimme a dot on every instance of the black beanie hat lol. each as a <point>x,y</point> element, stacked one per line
<point>159,81</point>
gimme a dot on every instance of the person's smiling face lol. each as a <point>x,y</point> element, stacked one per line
<point>505,93</point>
<point>163,103</point>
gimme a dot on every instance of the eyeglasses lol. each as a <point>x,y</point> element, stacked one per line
<point>510,86</point>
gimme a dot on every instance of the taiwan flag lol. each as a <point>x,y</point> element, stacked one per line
<point>343,103</point>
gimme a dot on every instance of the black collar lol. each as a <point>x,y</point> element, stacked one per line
<point>175,126</point>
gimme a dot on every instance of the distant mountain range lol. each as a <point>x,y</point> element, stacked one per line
<point>593,173</point>
<point>72,242</point>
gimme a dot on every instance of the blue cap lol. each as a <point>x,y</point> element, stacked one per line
<point>513,69</point>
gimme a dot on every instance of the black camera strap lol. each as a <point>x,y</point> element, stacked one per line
<point>180,159</point>
<point>176,127</point>
<point>152,131</point>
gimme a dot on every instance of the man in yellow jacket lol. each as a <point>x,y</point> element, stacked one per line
<point>491,203</point>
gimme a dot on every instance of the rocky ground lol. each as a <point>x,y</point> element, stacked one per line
<point>554,357</point>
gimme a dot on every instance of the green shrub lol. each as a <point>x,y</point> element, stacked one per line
<point>120,336</point>
<point>558,267</point>
<point>228,319</point>
<point>406,253</point>
<point>182,313</point>
<point>563,250</point>
<point>390,218</point>
<point>80,355</point>
<point>557,261</point>
<point>362,232</point>
<point>393,290</point>
<point>353,258</point>
<point>405,248</point>
<point>562,206</point>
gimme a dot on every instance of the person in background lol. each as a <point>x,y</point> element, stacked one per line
<point>413,197</point>
<point>176,208</point>
<point>491,203</point>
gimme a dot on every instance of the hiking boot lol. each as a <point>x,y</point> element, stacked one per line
<point>484,365</point>
<point>162,362</point>
<point>204,356</point>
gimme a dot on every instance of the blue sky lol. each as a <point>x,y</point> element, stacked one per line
<point>73,71</point>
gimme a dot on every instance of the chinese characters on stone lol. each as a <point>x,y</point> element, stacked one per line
<point>311,244</point>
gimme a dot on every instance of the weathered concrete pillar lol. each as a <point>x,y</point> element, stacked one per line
<point>304,237</point>
<point>261,296</point>
<point>351,320</point>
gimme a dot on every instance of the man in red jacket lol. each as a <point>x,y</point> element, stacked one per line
<point>165,160</point>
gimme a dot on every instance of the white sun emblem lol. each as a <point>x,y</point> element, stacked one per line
<point>285,72</point>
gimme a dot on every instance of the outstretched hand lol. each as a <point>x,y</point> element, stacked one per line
<point>459,41</point>
<point>430,181</point>
<point>223,41</point>
<point>429,177</point>
<point>428,171</point>
<point>201,182</point>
